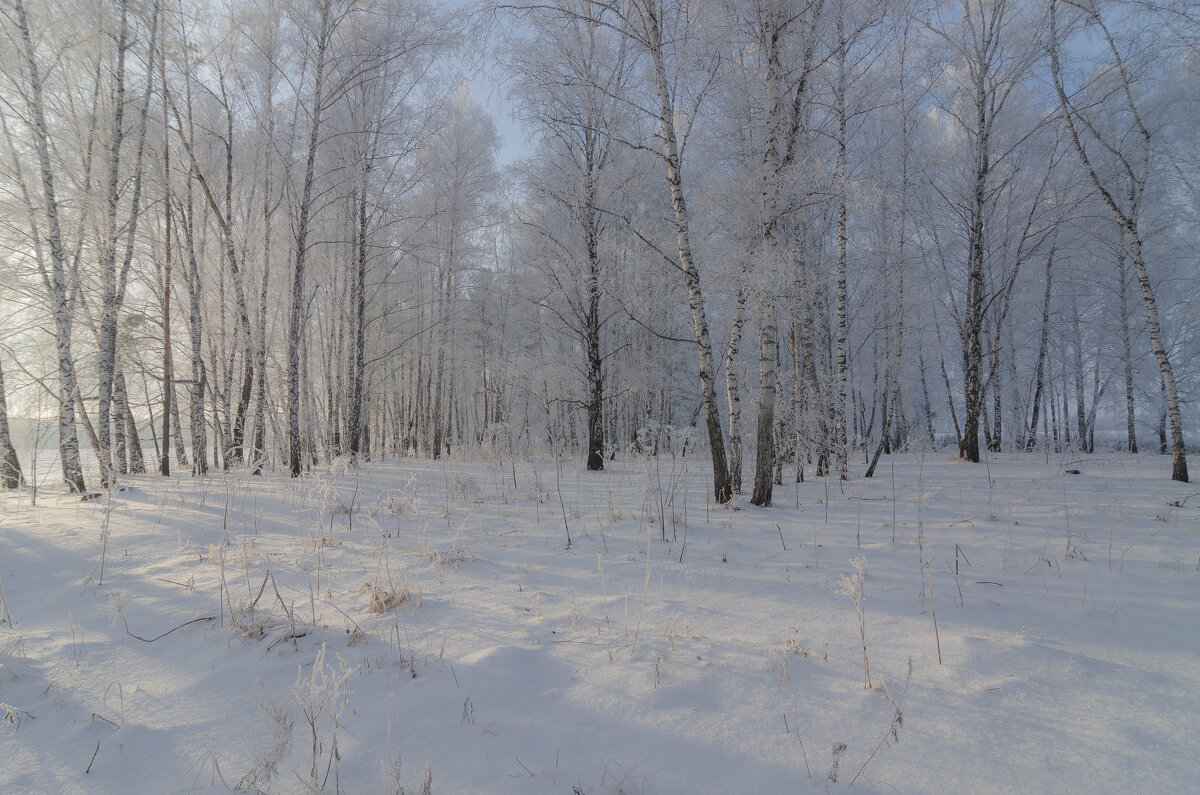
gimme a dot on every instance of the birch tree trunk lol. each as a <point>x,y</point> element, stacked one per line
<point>137,460</point>
<point>297,313</point>
<point>258,445</point>
<point>1127,357</point>
<point>199,431</point>
<point>120,448</point>
<point>768,375</point>
<point>231,429</point>
<point>356,420</point>
<point>237,449</point>
<point>11,476</point>
<point>168,391</point>
<point>1043,346</point>
<point>595,372</point>
<point>1078,377</point>
<point>841,451</point>
<point>893,377</point>
<point>972,325</point>
<point>768,326</point>
<point>110,303</point>
<point>68,440</point>
<point>721,482</point>
<point>733,392</point>
<point>1127,219</point>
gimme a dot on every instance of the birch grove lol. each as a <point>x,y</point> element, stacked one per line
<point>787,236</point>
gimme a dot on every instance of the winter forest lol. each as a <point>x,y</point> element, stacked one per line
<point>342,265</point>
<point>272,235</point>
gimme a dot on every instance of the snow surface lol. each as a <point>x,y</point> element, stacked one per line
<point>727,658</point>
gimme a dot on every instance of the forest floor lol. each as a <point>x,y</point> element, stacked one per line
<point>426,622</point>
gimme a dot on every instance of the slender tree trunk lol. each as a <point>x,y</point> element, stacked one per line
<point>181,459</point>
<point>946,381</point>
<point>110,304</point>
<point>733,390</point>
<point>1128,222</point>
<point>721,483</point>
<point>1077,362</point>
<point>297,313</point>
<point>1179,470</point>
<point>1162,418</point>
<point>168,391</point>
<point>973,323</point>
<point>768,325</point>
<point>892,405</point>
<point>259,443</point>
<point>839,401</point>
<point>68,441</point>
<point>1127,351</point>
<point>1097,393</point>
<point>1052,399</point>
<point>334,388</point>
<point>438,411</point>
<point>928,406</point>
<point>137,460</point>
<point>768,354</point>
<point>797,447</point>
<point>120,448</point>
<point>11,476</point>
<point>595,409</point>
<point>195,336</point>
<point>971,328</point>
<point>1016,409</point>
<point>355,423</point>
<point>1043,347</point>
<point>1066,407</point>
<point>818,402</point>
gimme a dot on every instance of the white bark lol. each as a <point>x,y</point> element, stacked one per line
<point>687,263</point>
<point>296,314</point>
<point>1126,218</point>
<point>68,441</point>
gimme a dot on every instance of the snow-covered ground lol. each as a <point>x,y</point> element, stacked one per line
<point>361,630</point>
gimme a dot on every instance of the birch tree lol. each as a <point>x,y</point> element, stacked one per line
<point>572,85</point>
<point>1118,165</point>
<point>319,42</point>
<point>992,57</point>
<point>786,39</point>
<point>54,276</point>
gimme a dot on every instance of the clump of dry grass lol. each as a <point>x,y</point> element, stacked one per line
<point>253,624</point>
<point>383,600</point>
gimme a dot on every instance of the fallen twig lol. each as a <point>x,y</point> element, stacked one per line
<point>1183,502</point>
<point>97,716</point>
<point>286,636</point>
<point>168,632</point>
